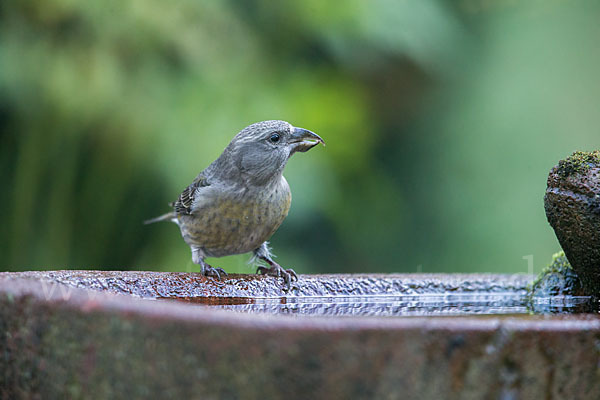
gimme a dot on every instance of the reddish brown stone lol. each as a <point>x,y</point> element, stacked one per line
<point>572,204</point>
<point>81,343</point>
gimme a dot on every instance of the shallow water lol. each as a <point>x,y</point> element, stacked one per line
<point>405,306</point>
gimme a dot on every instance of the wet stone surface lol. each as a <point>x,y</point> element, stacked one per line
<point>191,285</point>
<point>338,295</point>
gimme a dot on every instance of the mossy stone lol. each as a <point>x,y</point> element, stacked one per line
<point>572,204</point>
<point>557,279</point>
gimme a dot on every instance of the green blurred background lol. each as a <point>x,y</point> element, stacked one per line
<point>442,120</point>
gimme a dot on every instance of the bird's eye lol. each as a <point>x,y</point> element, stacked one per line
<point>275,138</point>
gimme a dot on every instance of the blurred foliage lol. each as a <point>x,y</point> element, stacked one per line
<point>442,120</point>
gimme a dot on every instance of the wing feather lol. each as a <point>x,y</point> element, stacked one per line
<point>184,203</point>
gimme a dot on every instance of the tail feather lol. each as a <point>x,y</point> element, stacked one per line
<point>165,217</point>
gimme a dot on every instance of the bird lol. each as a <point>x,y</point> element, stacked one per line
<point>237,203</point>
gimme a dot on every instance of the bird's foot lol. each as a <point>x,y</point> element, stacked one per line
<point>277,271</point>
<point>207,270</point>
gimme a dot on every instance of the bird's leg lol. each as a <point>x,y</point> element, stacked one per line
<point>263,253</point>
<point>207,270</point>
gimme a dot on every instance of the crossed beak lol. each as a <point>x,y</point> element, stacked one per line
<point>303,140</point>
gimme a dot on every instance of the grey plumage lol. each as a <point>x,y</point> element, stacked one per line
<point>239,200</point>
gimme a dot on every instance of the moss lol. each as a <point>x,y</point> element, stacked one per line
<point>556,279</point>
<point>558,265</point>
<point>578,162</point>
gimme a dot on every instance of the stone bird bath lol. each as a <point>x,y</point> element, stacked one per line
<point>94,334</point>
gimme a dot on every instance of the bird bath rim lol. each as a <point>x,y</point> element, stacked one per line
<point>129,291</point>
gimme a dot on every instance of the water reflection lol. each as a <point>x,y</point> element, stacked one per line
<point>390,306</point>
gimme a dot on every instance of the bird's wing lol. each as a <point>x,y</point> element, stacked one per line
<point>183,205</point>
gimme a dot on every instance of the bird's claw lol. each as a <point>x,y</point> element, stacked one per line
<point>288,275</point>
<point>215,272</point>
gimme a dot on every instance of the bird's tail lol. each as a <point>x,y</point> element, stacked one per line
<point>165,217</point>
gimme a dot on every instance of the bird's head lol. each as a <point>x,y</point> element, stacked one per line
<point>262,150</point>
